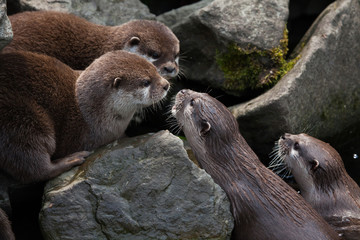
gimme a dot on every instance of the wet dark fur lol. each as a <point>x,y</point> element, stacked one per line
<point>48,111</point>
<point>5,228</point>
<point>77,42</point>
<point>264,206</point>
<point>336,194</point>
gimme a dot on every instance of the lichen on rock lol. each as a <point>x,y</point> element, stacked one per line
<point>253,68</point>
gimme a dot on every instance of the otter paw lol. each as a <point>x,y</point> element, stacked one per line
<point>78,157</point>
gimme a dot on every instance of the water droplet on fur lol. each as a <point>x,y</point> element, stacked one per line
<point>355,156</point>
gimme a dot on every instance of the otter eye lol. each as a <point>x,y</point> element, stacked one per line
<point>296,146</point>
<point>154,55</point>
<point>192,102</point>
<point>146,83</point>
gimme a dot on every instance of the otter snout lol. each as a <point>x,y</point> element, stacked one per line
<point>285,136</point>
<point>165,84</point>
<point>169,70</point>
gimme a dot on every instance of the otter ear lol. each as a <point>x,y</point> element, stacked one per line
<point>116,82</point>
<point>134,41</point>
<point>315,164</point>
<point>205,127</point>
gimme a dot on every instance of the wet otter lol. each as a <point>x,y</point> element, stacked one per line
<point>5,228</point>
<point>77,42</point>
<point>323,181</point>
<point>48,110</point>
<point>263,206</point>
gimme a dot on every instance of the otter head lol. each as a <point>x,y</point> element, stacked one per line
<point>314,163</point>
<point>155,42</point>
<point>206,122</point>
<point>117,84</point>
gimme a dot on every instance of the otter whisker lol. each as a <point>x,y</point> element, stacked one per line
<point>276,165</point>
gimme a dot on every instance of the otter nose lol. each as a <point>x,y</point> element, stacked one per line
<point>166,87</point>
<point>284,136</point>
<point>169,69</point>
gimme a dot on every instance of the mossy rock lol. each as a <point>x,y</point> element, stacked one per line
<point>253,68</point>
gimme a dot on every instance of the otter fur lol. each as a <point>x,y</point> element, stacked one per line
<point>50,116</point>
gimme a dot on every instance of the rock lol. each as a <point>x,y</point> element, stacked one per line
<point>178,15</point>
<point>109,12</point>
<point>6,33</point>
<point>227,36</point>
<point>321,94</point>
<point>140,188</point>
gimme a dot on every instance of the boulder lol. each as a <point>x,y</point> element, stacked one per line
<point>233,45</point>
<point>321,94</point>
<point>137,188</point>
<point>6,33</point>
<point>178,15</point>
<point>108,12</point>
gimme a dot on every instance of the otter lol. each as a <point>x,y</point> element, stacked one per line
<point>323,181</point>
<point>6,232</point>
<point>51,116</point>
<point>78,42</point>
<point>263,205</point>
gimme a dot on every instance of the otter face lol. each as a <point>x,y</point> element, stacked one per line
<point>156,43</point>
<point>308,158</point>
<point>203,118</point>
<point>142,91</point>
<point>121,83</point>
<point>298,155</point>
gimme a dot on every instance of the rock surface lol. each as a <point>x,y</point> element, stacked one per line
<point>108,12</point>
<point>321,94</point>
<point>6,33</point>
<point>139,188</point>
<point>220,24</point>
<point>178,15</point>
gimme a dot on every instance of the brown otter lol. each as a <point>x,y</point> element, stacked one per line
<point>48,111</point>
<point>5,228</point>
<point>77,42</point>
<point>323,181</point>
<point>263,206</point>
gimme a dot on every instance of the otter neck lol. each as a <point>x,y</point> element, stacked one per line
<point>105,130</point>
<point>243,173</point>
<point>115,32</point>
<point>330,200</point>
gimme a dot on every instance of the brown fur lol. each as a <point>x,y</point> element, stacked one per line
<point>77,42</point>
<point>5,228</point>
<point>330,190</point>
<point>48,111</point>
<point>263,206</point>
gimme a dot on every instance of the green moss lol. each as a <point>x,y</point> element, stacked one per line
<point>251,68</point>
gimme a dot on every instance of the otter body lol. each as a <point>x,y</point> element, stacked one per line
<point>323,181</point>
<point>78,42</point>
<point>48,110</point>
<point>5,228</point>
<point>263,206</point>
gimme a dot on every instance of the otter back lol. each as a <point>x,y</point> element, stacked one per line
<point>78,42</point>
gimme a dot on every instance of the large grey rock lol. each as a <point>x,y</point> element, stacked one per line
<point>6,33</point>
<point>321,94</point>
<point>222,23</point>
<point>178,15</point>
<point>104,12</point>
<point>139,188</point>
